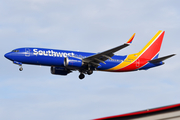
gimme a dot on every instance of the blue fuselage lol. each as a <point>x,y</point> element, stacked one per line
<point>63,62</point>
<point>53,57</point>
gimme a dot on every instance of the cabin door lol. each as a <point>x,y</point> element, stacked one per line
<point>27,52</point>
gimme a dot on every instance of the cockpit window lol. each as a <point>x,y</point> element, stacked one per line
<point>15,51</point>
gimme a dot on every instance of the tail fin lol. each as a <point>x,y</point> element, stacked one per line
<point>152,48</point>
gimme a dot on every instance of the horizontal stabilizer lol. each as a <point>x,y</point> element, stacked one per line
<point>161,59</point>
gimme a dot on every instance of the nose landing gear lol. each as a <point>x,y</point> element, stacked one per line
<point>18,63</point>
<point>20,69</point>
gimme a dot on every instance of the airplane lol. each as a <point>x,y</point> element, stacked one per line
<point>63,62</point>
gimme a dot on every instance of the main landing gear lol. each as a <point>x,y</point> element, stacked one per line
<point>82,76</point>
<point>89,72</point>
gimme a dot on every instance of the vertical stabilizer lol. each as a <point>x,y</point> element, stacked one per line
<point>149,52</point>
<point>152,48</point>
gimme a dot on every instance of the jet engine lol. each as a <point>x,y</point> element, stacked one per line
<point>59,71</point>
<point>72,62</point>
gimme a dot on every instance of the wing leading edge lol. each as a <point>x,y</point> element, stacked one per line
<point>103,56</point>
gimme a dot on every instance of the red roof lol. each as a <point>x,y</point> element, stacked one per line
<point>148,111</point>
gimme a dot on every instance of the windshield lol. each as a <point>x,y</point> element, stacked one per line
<point>15,50</point>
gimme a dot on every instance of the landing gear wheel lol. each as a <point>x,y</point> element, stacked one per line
<point>20,69</point>
<point>89,72</point>
<point>81,76</point>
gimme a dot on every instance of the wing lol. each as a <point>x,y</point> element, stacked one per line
<point>103,56</point>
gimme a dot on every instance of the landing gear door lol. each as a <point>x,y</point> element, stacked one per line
<point>27,52</point>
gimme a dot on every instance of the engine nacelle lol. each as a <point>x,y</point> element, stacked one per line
<point>59,71</point>
<point>72,62</point>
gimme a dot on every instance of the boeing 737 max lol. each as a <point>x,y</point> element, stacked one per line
<point>63,62</point>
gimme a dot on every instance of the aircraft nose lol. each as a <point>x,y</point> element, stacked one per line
<point>7,55</point>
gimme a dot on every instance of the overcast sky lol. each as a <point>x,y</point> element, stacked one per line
<point>92,26</point>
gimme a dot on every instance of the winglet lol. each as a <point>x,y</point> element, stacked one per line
<point>131,39</point>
